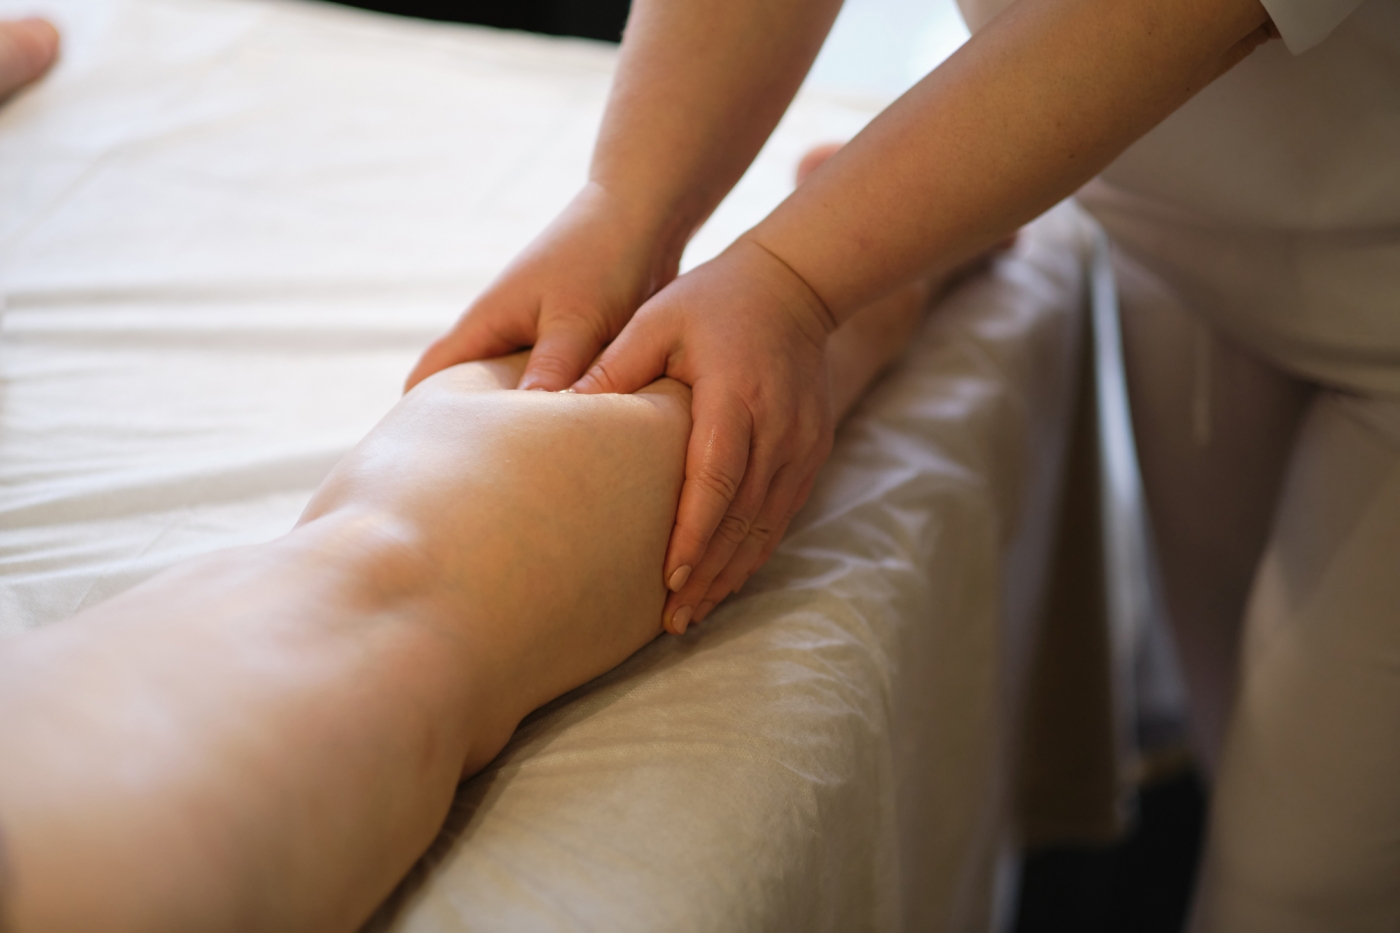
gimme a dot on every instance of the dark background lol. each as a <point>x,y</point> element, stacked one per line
<point>592,19</point>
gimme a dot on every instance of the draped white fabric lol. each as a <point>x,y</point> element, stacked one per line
<point>226,229</point>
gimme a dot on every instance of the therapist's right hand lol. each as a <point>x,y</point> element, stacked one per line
<point>566,295</point>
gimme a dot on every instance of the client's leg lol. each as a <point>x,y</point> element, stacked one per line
<point>267,737</point>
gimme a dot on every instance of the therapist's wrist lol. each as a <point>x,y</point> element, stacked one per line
<point>767,269</point>
<point>671,209</point>
<point>650,231</point>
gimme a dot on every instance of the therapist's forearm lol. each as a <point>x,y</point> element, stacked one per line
<point>1032,107</point>
<point>699,87</point>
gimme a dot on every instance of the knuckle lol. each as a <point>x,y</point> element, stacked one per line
<point>601,375</point>
<point>719,483</point>
<point>591,326</point>
<point>732,529</point>
<point>761,530</point>
<point>722,587</point>
<point>549,364</point>
<point>750,386</point>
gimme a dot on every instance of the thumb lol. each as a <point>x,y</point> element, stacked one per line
<point>562,350</point>
<point>635,359</point>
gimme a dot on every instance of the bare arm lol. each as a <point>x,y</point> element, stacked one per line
<point>1033,106</point>
<point>699,86</point>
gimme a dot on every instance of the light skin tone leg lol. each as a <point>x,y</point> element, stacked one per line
<point>267,737</point>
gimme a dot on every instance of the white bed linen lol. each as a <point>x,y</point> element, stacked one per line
<point>226,229</point>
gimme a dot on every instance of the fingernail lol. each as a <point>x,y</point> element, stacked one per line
<point>568,391</point>
<point>678,579</point>
<point>680,619</point>
<point>702,610</point>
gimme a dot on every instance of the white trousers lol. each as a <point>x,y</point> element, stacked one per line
<point>1276,511</point>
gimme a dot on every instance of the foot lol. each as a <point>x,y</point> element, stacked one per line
<point>28,48</point>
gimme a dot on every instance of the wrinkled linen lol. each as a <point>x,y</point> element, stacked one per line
<point>226,229</point>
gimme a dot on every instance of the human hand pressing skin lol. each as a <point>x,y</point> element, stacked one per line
<point>749,336</point>
<point>745,535</point>
<point>566,295</point>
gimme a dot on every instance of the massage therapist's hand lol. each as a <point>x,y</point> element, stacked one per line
<point>567,294</point>
<point>749,336</point>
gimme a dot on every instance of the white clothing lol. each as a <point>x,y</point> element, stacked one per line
<point>1277,189</point>
<point>1258,256</point>
<point>1305,23</point>
<point>1257,249</point>
<point>1304,485</point>
<point>1273,197</point>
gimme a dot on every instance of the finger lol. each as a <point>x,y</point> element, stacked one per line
<point>767,527</point>
<point>799,501</point>
<point>635,359</point>
<point>563,349</point>
<point>721,589</point>
<point>745,563</point>
<point>717,458</point>
<point>676,615</point>
<point>749,558</point>
<point>471,338</point>
<point>683,606</point>
<point>734,527</point>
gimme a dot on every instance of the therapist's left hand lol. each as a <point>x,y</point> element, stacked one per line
<point>748,335</point>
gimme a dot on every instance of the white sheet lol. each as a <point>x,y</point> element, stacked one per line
<point>226,229</point>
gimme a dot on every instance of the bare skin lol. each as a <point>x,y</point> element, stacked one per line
<point>28,48</point>
<point>267,737</point>
<point>1037,102</point>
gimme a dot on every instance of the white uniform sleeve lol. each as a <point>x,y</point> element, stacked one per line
<point>1305,23</point>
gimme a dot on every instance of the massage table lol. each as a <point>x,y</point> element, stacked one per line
<point>228,227</point>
